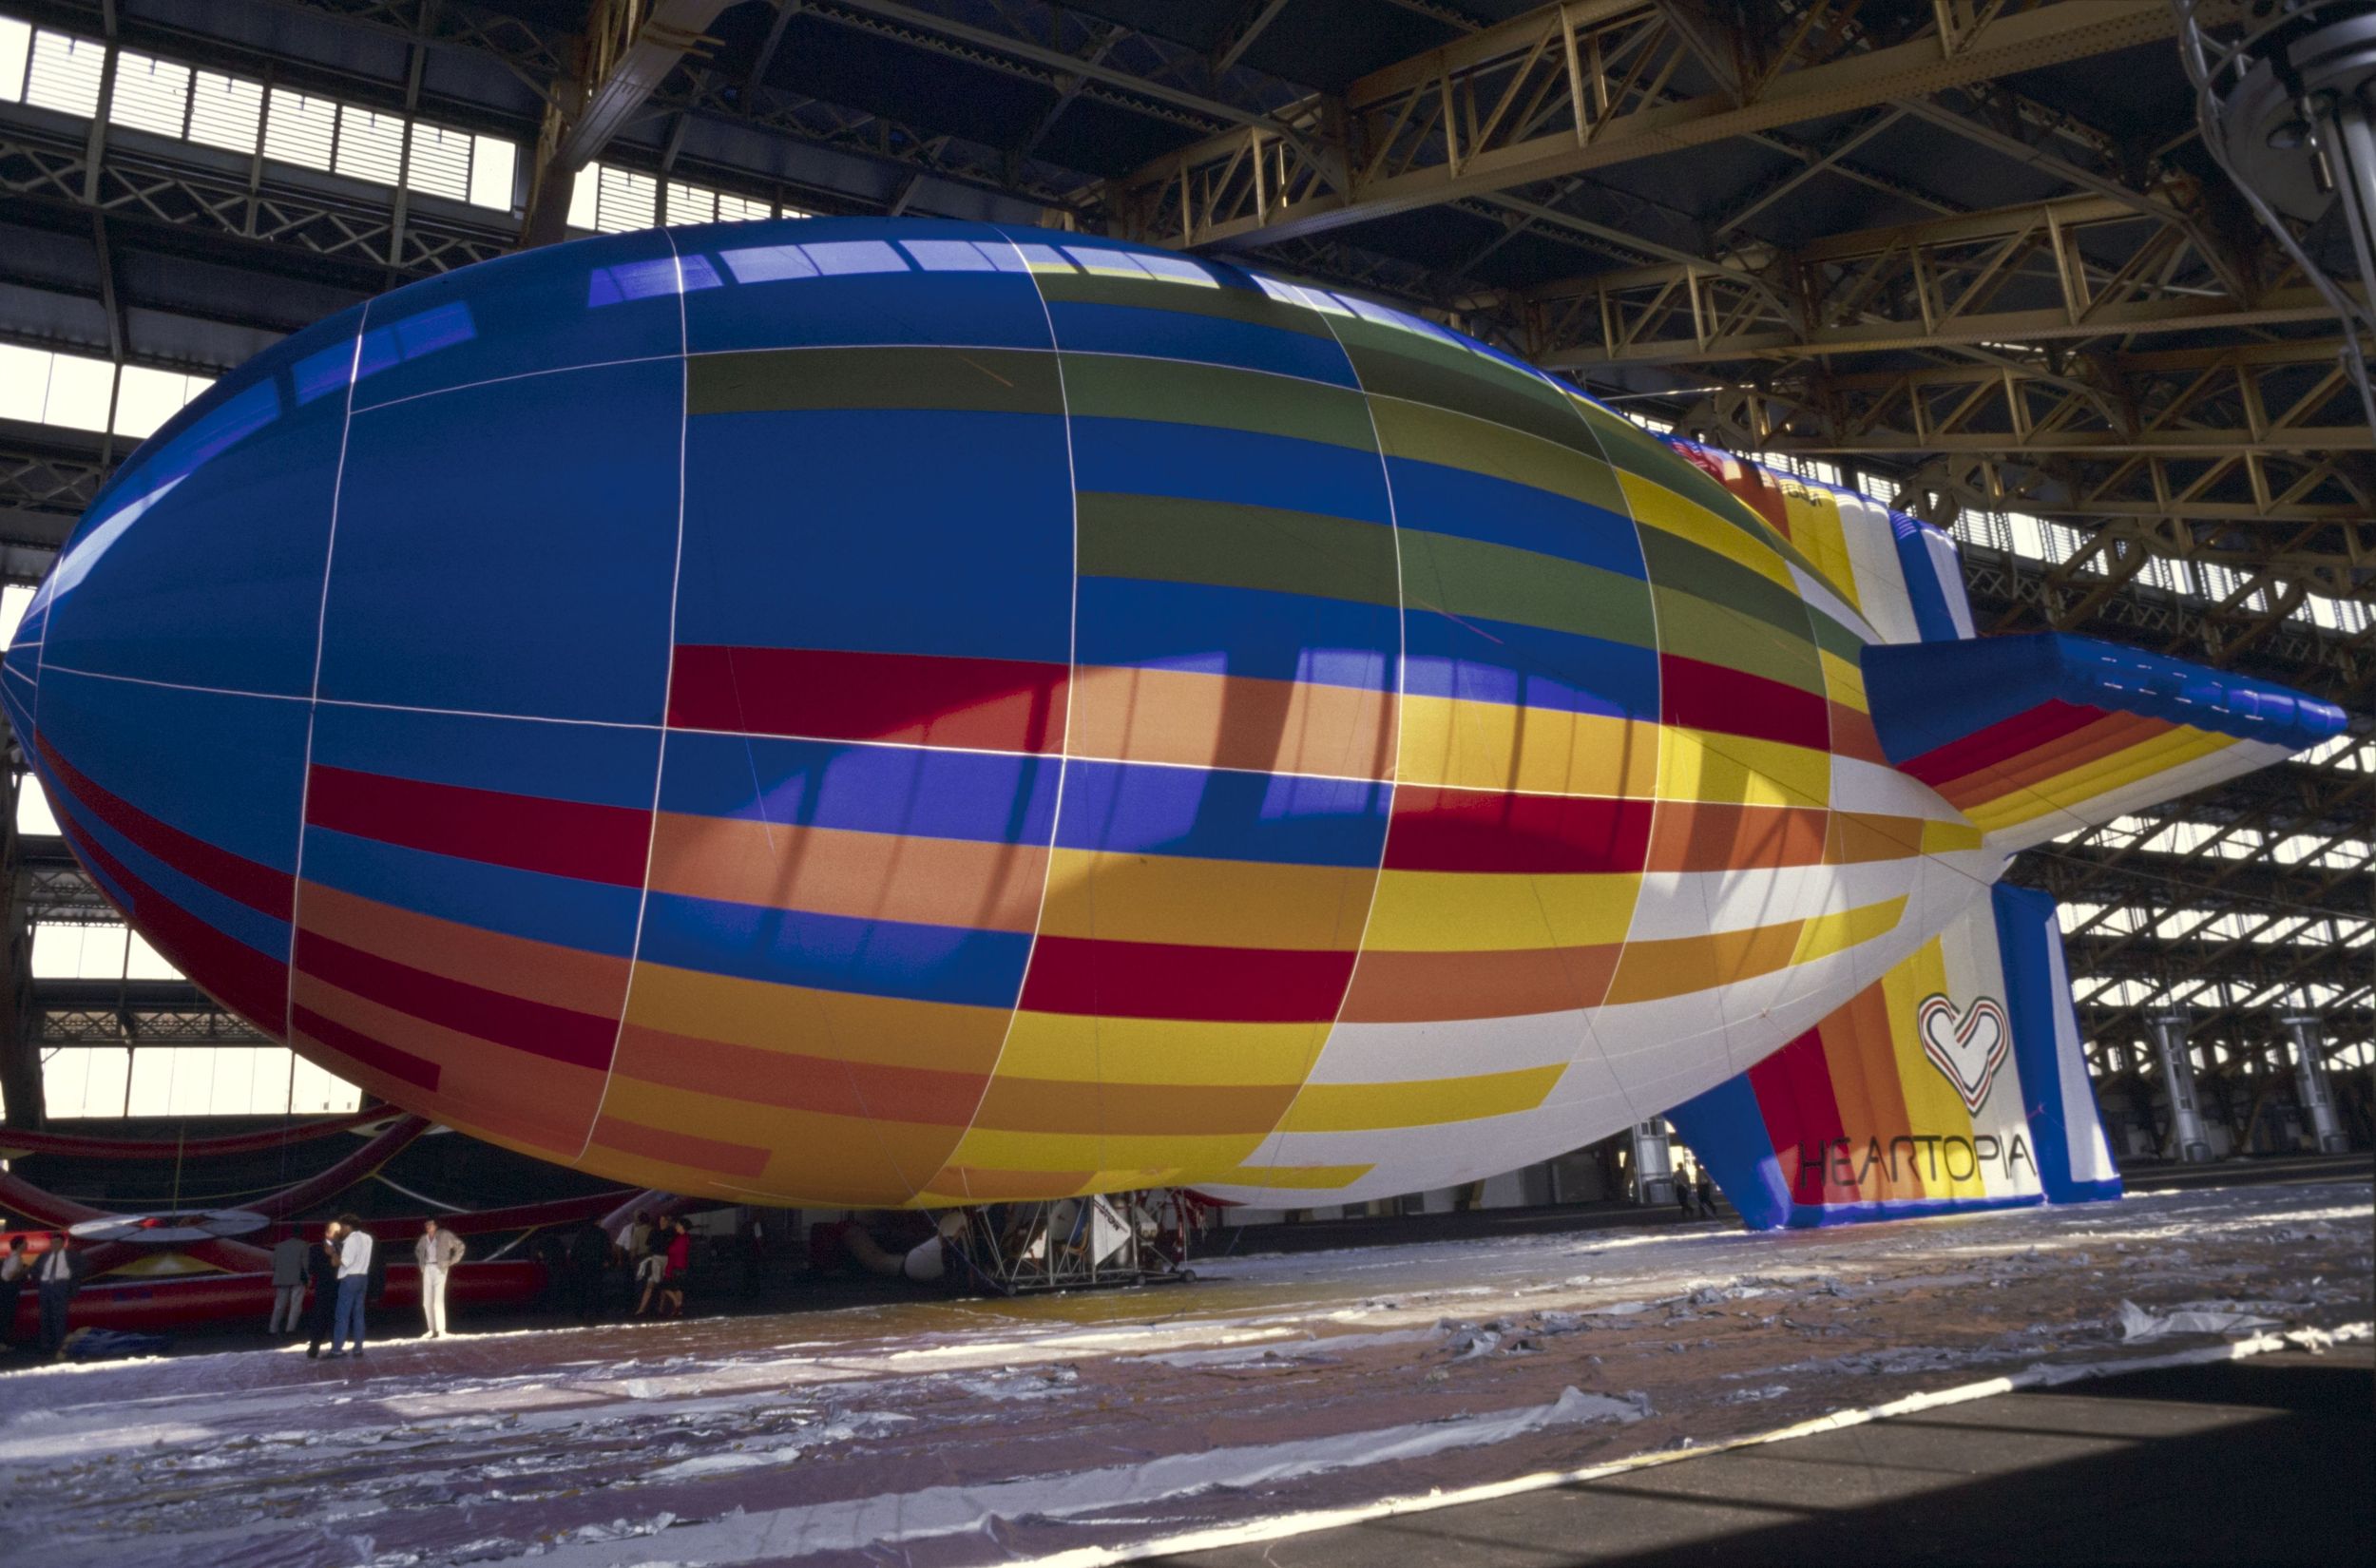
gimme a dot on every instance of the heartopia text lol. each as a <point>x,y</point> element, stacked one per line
<point>1839,1162</point>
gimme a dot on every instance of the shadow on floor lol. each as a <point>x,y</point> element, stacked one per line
<point>2264,1460</point>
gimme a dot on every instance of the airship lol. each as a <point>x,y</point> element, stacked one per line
<point>909,713</point>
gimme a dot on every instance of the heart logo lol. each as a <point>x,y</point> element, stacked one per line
<point>1968,1048</point>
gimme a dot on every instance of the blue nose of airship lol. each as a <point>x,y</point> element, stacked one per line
<point>364,550</point>
<point>160,682</point>
<point>369,652</point>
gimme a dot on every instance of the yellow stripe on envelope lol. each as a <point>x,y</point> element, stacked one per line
<point>1427,1103</point>
<point>1655,505</point>
<point>1121,897</point>
<point>1466,912</point>
<point>1543,750</point>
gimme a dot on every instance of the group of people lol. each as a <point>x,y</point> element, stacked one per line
<point>338,1271</point>
<point>661,1255</point>
<point>642,1268</point>
<point>1696,1191</point>
<point>55,1272</point>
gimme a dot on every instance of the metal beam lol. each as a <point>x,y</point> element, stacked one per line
<point>1069,89</point>
<point>2065,270</point>
<point>1847,141</point>
<point>629,50</point>
<point>1046,58</point>
<point>1257,17</point>
<point>1538,98</point>
<point>20,1049</point>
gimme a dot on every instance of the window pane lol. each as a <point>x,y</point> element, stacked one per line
<point>24,382</point>
<point>151,1089</point>
<point>224,111</point>
<point>301,129</point>
<point>441,162</point>
<point>189,1076</point>
<point>371,147</point>
<point>32,809</point>
<point>16,49</point>
<point>317,1092</point>
<point>65,73</point>
<point>742,210</point>
<point>78,953</point>
<point>691,203</point>
<point>493,162</point>
<point>66,1081</point>
<point>585,197</point>
<point>151,94</point>
<point>623,201</point>
<point>147,398</point>
<point>12,602</point>
<point>231,1085</point>
<point>78,392</point>
<point>142,961</point>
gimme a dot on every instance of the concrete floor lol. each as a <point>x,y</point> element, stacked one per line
<point>2266,1461</point>
<point>961,1434</point>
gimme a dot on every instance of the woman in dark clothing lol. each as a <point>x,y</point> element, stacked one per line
<point>679,1255</point>
<point>321,1271</point>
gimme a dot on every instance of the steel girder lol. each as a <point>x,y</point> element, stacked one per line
<point>2252,628</point>
<point>198,1022</point>
<point>324,217</point>
<point>20,1055</point>
<point>627,49</point>
<point>38,484</point>
<point>2072,268</point>
<point>1574,86</point>
<point>2030,391</point>
<point>540,57</point>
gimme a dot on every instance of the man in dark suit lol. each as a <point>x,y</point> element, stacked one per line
<point>16,1268</point>
<point>59,1274</point>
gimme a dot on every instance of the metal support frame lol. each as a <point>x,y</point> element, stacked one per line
<point>20,1047</point>
<point>2187,1140</point>
<point>1076,1243</point>
<point>629,48</point>
<point>2310,1087</point>
<point>1568,87</point>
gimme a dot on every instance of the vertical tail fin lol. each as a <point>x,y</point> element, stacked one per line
<point>1956,1082</point>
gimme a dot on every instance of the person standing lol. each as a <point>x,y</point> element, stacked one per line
<point>288,1283</point>
<point>321,1271</point>
<point>14,1270</point>
<point>1706,1187</point>
<point>355,1277</point>
<point>58,1274</point>
<point>437,1250</point>
<point>680,1243</point>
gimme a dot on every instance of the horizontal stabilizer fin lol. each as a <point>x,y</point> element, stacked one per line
<point>2035,737</point>
<point>1956,1082</point>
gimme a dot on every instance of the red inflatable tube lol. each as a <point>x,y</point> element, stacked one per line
<point>15,1141</point>
<point>199,1301</point>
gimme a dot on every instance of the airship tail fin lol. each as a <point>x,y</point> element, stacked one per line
<point>1955,1081</point>
<point>2037,736</point>
<point>1900,575</point>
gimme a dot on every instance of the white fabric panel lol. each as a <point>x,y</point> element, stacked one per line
<point>1880,578</point>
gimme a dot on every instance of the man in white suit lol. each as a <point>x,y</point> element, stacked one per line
<point>437,1250</point>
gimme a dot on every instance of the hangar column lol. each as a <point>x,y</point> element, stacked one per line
<point>2309,1081</point>
<point>1654,1163</point>
<point>20,1049</point>
<point>2190,1142</point>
